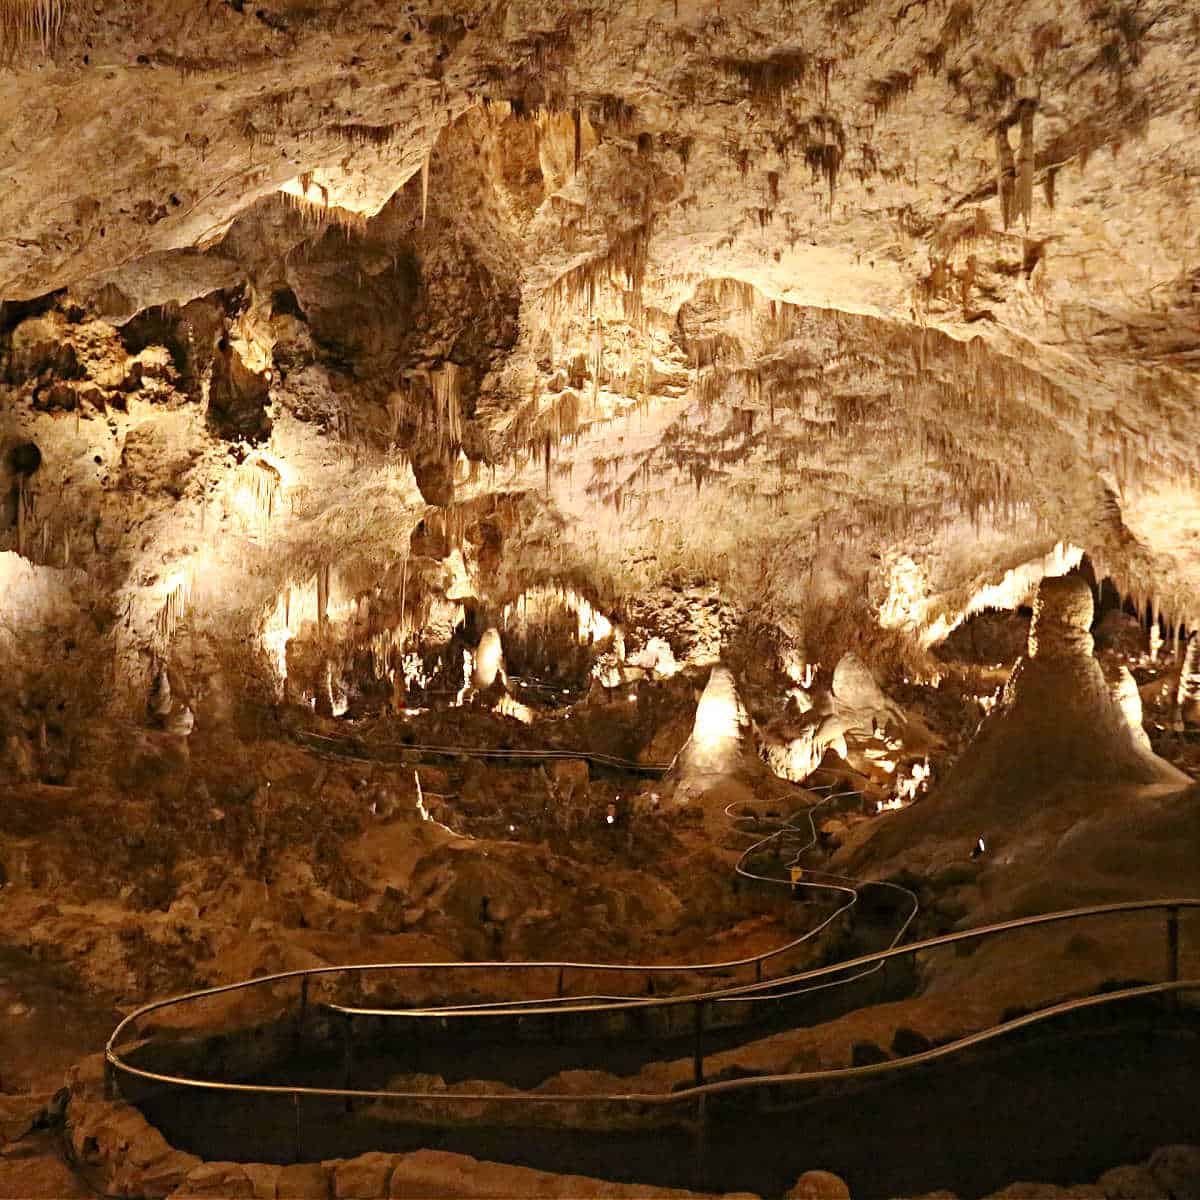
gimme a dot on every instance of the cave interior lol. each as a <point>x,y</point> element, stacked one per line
<point>604,510</point>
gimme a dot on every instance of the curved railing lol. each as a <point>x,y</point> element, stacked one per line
<point>703,1003</point>
<point>593,756</point>
<point>815,881</point>
<point>700,1091</point>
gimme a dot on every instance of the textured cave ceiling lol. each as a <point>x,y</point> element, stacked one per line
<point>713,291</point>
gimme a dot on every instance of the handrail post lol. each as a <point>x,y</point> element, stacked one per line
<point>1173,953</point>
<point>561,972</point>
<point>758,970</point>
<point>302,1018</point>
<point>348,1058</point>
<point>698,1050</point>
<point>110,1080</point>
<point>299,1132</point>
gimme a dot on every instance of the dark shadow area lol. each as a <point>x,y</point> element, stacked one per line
<point>1060,1105</point>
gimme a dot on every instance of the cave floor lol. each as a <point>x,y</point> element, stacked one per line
<point>49,1022</point>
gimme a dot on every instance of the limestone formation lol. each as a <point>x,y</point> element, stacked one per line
<point>430,430</point>
<point>858,700</point>
<point>1188,696</point>
<point>1044,758</point>
<point>1062,618</point>
<point>1129,700</point>
<point>489,661</point>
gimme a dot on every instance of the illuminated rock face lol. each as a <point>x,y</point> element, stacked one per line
<point>604,269</point>
<point>1057,750</point>
<point>859,700</point>
<point>489,661</point>
<point>715,747</point>
<point>1189,683</point>
<point>797,757</point>
<point>1058,715</point>
<point>719,715</point>
<point>1062,618</point>
<point>1129,700</point>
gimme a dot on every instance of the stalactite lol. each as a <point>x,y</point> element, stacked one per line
<point>173,609</point>
<point>321,216</point>
<point>258,480</point>
<point>1025,161</point>
<point>769,79</point>
<point>425,186</point>
<point>1048,186</point>
<point>367,135</point>
<point>323,599</point>
<point>1006,175</point>
<point>447,397</point>
<point>25,503</point>
<point>28,20</point>
<point>625,261</point>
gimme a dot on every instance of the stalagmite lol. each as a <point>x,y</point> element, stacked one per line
<point>1187,704</point>
<point>489,661</point>
<point>716,742</point>
<point>160,695</point>
<point>1155,641</point>
<point>1129,700</point>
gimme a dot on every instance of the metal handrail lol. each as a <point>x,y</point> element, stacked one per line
<point>683,1095</point>
<point>595,756</point>
<point>600,1002</point>
<point>784,987</point>
<point>562,1004</point>
<point>1171,905</point>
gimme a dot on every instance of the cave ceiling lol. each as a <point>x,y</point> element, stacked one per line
<point>711,289</point>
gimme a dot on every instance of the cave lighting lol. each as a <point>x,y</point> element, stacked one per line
<point>802,674</point>
<point>908,787</point>
<point>508,707</point>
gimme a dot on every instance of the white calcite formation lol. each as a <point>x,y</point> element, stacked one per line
<point>1129,700</point>
<point>489,661</point>
<point>1057,762</point>
<point>1057,715</point>
<point>639,277</point>
<point>715,747</point>
<point>858,699</point>
<point>1188,696</point>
